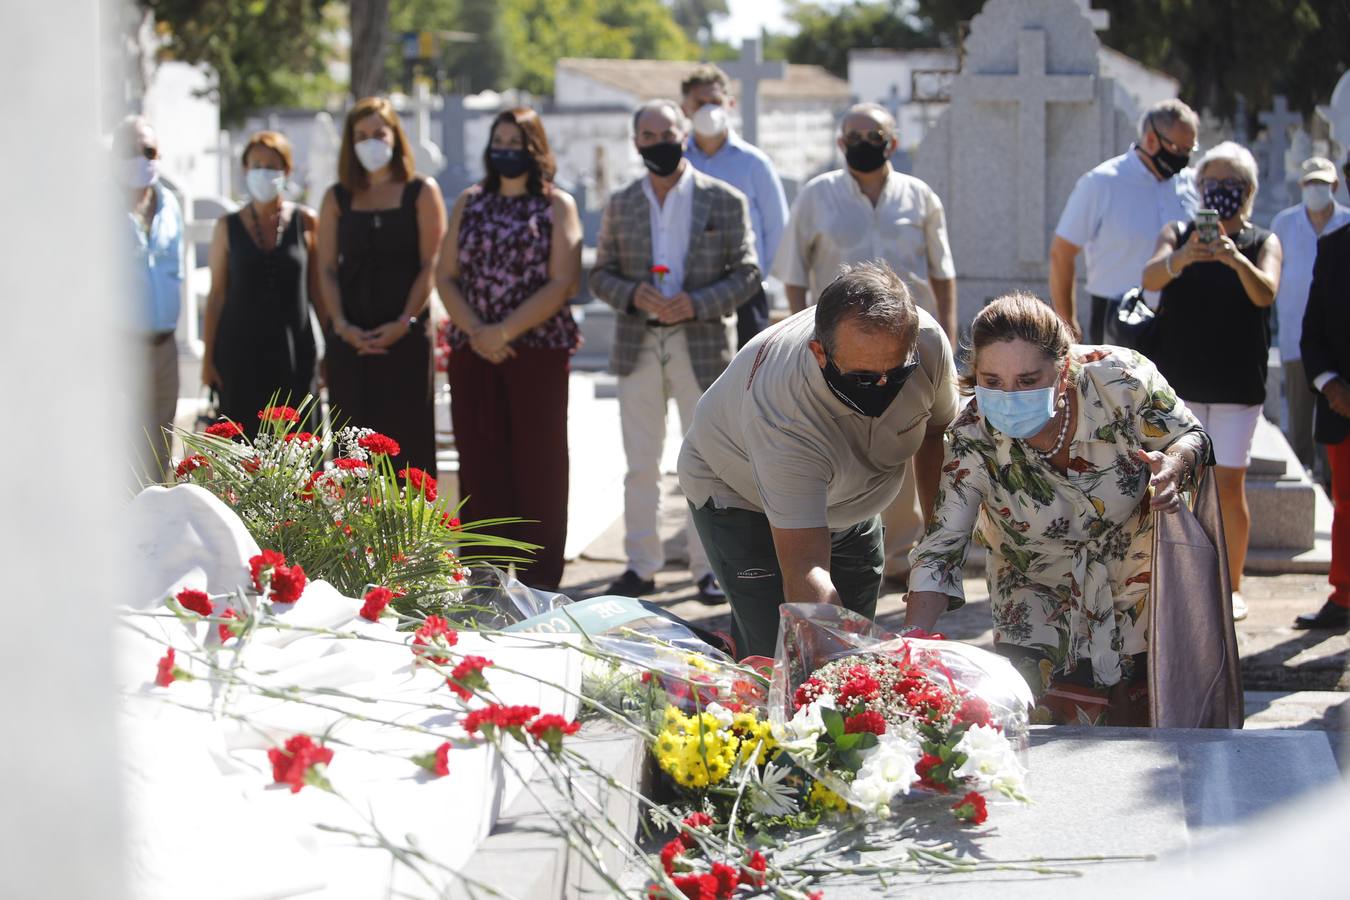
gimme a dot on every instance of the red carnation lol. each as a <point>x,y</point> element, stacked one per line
<point>166,672</point>
<point>225,629</point>
<point>698,820</point>
<point>697,887</point>
<point>226,429</point>
<point>379,445</point>
<point>278,414</point>
<point>191,464</point>
<point>975,711</point>
<point>670,852</point>
<point>436,633</point>
<point>304,437</point>
<point>350,465</point>
<point>450,521</point>
<point>971,808</point>
<point>261,566</point>
<point>727,878</point>
<point>550,730</point>
<point>467,676</point>
<point>420,481</point>
<point>808,693</point>
<point>376,600</point>
<point>753,871</point>
<point>507,718</point>
<point>443,759</point>
<point>196,601</point>
<point>294,765</point>
<point>924,769</point>
<point>866,721</point>
<point>251,466</point>
<point>860,686</point>
<point>288,583</point>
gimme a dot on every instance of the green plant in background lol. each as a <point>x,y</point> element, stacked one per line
<point>333,502</point>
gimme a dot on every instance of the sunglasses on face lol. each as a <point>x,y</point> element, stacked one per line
<point>876,137</point>
<point>1170,146</point>
<point>897,376</point>
<point>1231,184</point>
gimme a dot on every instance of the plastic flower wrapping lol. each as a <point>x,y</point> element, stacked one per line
<point>874,717</point>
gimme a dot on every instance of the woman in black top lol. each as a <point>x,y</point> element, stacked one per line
<point>380,231</point>
<point>1212,335</point>
<point>258,337</point>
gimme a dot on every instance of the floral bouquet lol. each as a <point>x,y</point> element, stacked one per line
<point>872,716</point>
<point>332,501</point>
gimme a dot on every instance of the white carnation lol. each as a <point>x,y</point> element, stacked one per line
<point>887,770</point>
<point>719,712</point>
<point>990,760</point>
<point>803,730</point>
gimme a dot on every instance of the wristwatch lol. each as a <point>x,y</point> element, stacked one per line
<point>410,321</point>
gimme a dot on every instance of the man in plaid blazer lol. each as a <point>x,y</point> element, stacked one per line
<point>676,256</point>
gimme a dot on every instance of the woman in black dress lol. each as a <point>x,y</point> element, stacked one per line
<point>380,230</point>
<point>259,341</point>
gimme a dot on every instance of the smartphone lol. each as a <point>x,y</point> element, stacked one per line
<point>1207,225</point>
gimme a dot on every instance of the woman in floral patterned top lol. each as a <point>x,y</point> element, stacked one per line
<point>511,259</point>
<point>1064,508</point>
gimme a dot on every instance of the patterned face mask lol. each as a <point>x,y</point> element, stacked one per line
<point>1225,197</point>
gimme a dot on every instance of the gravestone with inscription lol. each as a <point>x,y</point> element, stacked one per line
<point>1029,113</point>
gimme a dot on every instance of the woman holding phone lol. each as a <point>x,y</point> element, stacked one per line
<point>1212,334</point>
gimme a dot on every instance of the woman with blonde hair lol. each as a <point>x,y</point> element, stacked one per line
<point>380,230</point>
<point>1056,467</point>
<point>1217,296</point>
<point>259,341</point>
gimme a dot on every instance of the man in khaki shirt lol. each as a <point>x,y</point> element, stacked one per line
<point>798,447</point>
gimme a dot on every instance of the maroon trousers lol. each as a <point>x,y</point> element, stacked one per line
<point>511,433</point>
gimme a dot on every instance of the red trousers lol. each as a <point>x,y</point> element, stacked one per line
<point>511,433</point>
<point>1339,457</point>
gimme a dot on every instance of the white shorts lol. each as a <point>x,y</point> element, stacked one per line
<point>1231,426</point>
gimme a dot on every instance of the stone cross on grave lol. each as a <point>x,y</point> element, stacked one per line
<point>750,70</point>
<point>1278,122</point>
<point>1032,88</point>
<point>1100,18</point>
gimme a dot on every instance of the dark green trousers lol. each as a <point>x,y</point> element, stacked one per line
<point>740,551</point>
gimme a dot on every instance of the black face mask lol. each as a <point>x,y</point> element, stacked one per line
<point>1165,161</point>
<point>662,159</point>
<point>864,392</point>
<point>509,163</point>
<point>865,156</point>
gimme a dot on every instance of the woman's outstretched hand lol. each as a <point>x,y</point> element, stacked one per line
<point>1165,482</point>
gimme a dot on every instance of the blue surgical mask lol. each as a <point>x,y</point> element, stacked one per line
<point>1018,414</point>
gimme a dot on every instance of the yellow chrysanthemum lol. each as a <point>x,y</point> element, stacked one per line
<point>824,799</point>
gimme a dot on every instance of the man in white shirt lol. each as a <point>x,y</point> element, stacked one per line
<point>1298,229</point>
<point>1116,211</point>
<point>805,438</point>
<point>675,257</point>
<point>868,211</point>
<point>716,149</point>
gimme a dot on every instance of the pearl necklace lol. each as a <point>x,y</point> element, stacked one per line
<point>1063,433</point>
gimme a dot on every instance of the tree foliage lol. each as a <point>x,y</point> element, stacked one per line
<point>264,52</point>
<point>696,17</point>
<point>826,33</point>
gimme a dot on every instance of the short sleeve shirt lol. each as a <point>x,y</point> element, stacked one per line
<point>1116,213</point>
<point>1299,243</point>
<point>833,224</point>
<point>770,436</point>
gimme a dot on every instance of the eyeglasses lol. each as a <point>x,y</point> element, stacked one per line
<point>897,376</point>
<point>1171,146</point>
<point>876,136</point>
<point>1229,184</point>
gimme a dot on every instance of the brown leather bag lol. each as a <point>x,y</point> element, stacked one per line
<point>1193,671</point>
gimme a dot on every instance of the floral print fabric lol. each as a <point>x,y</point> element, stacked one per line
<point>504,246</point>
<point>1070,554</point>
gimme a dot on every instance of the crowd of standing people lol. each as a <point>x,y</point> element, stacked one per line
<point>832,450</point>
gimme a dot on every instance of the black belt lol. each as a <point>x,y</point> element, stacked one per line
<point>657,323</point>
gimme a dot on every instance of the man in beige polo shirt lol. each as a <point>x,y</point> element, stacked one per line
<point>802,442</point>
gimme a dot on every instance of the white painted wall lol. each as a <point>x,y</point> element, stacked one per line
<point>188,126</point>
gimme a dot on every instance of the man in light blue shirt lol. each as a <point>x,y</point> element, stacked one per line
<point>1298,229</point>
<point>155,241</point>
<point>714,149</point>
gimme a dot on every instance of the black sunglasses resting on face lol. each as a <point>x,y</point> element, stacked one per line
<point>900,374</point>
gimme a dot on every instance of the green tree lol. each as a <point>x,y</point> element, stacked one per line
<point>264,52</point>
<point>696,17</point>
<point>827,33</point>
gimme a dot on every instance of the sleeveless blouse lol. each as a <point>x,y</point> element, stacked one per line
<point>1211,341</point>
<point>504,246</point>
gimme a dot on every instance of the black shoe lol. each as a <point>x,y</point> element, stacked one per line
<point>709,591</point>
<point>1329,616</point>
<point>629,584</point>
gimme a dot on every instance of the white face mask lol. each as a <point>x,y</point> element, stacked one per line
<point>139,172</point>
<point>1317,196</point>
<point>374,154</point>
<point>711,120</point>
<point>264,184</point>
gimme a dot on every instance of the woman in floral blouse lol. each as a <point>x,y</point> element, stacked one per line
<point>1056,468</point>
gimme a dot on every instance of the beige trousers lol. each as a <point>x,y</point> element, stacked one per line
<point>663,373</point>
<point>158,407</point>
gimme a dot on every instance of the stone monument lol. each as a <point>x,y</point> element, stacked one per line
<point>1275,179</point>
<point>1029,114</point>
<point>750,70</point>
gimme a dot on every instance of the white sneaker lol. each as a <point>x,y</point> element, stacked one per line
<point>1239,607</point>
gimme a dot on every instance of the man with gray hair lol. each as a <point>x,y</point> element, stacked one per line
<point>805,439</point>
<point>1117,210</point>
<point>675,257</point>
<point>869,211</point>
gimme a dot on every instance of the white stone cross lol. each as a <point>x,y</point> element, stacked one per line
<point>1032,88</point>
<point>750,70</point>
<point>1100,18</point>
<point>1338,112</point>
<point>1278,122</point>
